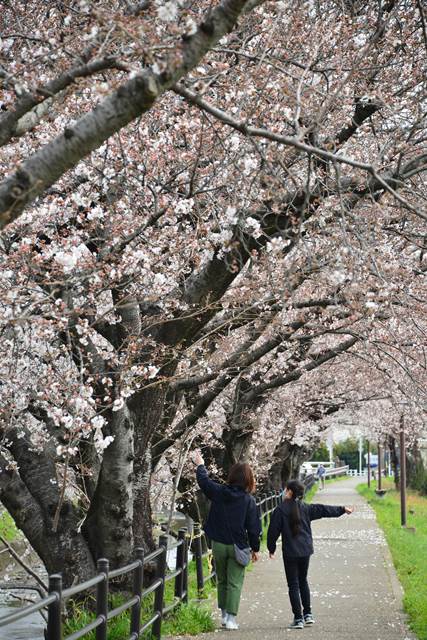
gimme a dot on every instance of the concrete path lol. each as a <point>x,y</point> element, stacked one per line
<point>355,592</point>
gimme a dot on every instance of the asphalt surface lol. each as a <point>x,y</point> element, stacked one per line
<point>355,591</point>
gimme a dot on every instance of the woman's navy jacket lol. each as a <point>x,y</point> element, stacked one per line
<point>302,544</point>
<point>233,514</point>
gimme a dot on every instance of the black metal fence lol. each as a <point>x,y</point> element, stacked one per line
<point>99,584</point>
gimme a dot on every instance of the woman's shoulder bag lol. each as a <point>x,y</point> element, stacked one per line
<point>242,556</point>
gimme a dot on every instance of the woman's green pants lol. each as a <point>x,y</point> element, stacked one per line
<point>229,576</point>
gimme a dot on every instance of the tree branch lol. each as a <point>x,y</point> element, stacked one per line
<point>130,100</point>
<point>280,381</point>
<point>386,182</point>
<point>15,122</point>
<point>23,564</point>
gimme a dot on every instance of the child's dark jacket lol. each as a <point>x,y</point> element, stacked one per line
<point>233,514</point>
<point>302,544</point>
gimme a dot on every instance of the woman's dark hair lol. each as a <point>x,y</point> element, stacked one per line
<point>297,489</point>
<point>241,475</point>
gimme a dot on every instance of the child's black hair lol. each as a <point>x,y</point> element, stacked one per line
<point>297,489</point>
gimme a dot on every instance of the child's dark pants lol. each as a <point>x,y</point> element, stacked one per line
<point>299,593</point>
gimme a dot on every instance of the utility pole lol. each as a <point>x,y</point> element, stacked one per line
<point>369,464</point>
<point>379,467</point>
<point>402,474</point>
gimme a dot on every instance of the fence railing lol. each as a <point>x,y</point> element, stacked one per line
<point>357,473</point>
<point>337,471</point>
<point>99,584</point>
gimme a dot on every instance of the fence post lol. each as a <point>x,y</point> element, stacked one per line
<point>159,593</point>
<point>54,623</point>
<point>180,563</point>
<point>102,598</point>
<point>198,553</point>
<point>138,579</point>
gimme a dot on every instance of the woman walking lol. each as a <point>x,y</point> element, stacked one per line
<point>232,521</point>
<point>292,520</point>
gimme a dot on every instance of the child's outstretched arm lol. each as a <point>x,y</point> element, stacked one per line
<point>317,511</point>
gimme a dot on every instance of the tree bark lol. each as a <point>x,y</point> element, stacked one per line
<point>108,525</point>
<point>62,551</point>
<point>147,410</point>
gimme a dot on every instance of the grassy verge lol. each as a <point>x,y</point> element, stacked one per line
<point>335,479</point>
<point>187,619</point>
<point>408,548</point>
<point>311,493</point>
<point>7,527</point>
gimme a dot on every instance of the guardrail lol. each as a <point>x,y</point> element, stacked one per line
<point>100,584</point>
<point>338,471</point>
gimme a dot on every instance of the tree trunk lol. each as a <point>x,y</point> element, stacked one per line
<point>62,551</point>
<point>288,460</point>
<point>108,525</point>
<point>147,409</point>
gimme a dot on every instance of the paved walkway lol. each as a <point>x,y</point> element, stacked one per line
<point>355,592</point>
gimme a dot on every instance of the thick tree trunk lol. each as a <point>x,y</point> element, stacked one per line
<point>62,551</point>
<point>108,525</point>
<point>288,460</point>
<point>147,409</point>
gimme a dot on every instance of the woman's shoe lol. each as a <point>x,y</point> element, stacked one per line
<point>231,622</point>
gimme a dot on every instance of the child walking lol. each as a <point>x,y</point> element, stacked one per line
<point>292,520</point>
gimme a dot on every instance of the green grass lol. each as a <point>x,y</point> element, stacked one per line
<point>8,529</point>
<point>311,493</point>
<point>187,619</point>
<point>191,619</point>
<point>335,479</point>
<point>408,548</point>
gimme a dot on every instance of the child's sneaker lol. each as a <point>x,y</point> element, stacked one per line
<point>298,623</point>
<point>308,618</point>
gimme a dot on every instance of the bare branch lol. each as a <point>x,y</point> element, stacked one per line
<point>385,182</point>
